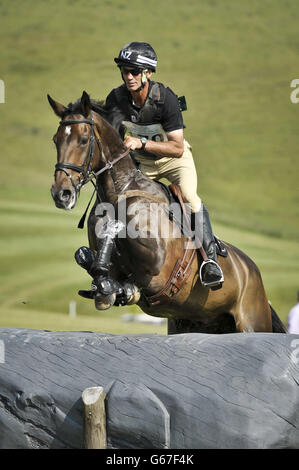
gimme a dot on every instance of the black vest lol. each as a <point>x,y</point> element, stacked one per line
<point>150,113</point>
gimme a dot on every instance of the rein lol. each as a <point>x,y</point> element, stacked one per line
<point>108,165</point>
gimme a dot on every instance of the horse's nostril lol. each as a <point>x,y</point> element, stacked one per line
<point>65,194</point>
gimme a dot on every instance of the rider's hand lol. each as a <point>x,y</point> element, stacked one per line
<point>132,143</point>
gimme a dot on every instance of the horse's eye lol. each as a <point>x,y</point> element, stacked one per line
<point>84,140</point>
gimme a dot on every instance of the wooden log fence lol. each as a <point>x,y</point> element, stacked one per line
<point>189,391</point>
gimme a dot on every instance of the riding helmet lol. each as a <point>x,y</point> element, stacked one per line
<point>137,54</point>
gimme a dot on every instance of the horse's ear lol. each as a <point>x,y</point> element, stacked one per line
<point>85,103</point>
<point>58,108</point>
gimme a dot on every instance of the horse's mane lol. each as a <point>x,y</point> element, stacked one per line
<point>97,106</point>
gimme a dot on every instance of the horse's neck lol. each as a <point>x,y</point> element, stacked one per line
<point>114,180</point>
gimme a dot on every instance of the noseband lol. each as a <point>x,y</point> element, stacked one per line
<point>86,169</point>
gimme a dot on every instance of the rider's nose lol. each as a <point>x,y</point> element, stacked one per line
<point>65,194</point>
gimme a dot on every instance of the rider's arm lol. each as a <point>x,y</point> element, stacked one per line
<point>174,147</point>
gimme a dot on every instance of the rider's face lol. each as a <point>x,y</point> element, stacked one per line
<point>133,77</point>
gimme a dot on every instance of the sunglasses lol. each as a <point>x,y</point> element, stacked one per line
<point>134,72</point>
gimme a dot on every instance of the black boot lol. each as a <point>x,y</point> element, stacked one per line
<point>210,272</point>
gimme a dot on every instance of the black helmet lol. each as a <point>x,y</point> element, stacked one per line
<point>138,54</point>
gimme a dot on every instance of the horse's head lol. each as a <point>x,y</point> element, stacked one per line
<point>78,152</point>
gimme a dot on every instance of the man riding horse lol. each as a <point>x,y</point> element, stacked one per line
<point>155,270</point>
<point>148,117</point>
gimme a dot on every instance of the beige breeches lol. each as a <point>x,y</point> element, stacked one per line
<point>179,171</point>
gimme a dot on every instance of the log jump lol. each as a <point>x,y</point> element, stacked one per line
<point>186,391</point>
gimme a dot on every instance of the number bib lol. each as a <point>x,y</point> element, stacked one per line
<point>153,132</point>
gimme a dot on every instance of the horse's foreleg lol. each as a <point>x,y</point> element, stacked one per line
<point>106,290</point>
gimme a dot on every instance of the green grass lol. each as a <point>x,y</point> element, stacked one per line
<point>111,323</point>
<point>233,61</point>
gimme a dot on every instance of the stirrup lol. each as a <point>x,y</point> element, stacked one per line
<point>212,283</point>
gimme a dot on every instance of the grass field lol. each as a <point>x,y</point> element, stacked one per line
<point>234,61</point>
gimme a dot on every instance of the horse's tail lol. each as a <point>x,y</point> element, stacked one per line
<point>277,325</point>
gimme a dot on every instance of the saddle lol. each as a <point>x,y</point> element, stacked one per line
<point>182,268</point>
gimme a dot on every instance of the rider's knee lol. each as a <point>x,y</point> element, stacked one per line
<point>192,198</point>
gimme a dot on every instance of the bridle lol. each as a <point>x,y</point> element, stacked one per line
<point>86,169</point>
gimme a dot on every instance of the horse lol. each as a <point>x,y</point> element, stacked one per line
<point>161,271</point>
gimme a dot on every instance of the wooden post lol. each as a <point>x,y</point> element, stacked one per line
<point>72,309</point>
<point>95,418</point>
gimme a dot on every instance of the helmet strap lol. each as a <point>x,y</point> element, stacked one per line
<point>143,79</point>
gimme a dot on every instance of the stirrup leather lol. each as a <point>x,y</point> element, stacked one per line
<point>212,283</point>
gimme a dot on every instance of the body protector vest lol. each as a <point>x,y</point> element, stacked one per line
<point>141,122</point>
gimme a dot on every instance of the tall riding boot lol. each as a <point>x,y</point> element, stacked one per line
<point>210,272</point>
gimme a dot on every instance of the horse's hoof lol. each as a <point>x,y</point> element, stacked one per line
<point>103,302</point>
<point>127,294</point>
<point>106,286</point>
<point>134,296</point>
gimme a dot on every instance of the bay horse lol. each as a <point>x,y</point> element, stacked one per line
<point>164,274</point>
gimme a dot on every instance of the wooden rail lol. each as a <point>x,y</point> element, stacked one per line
<point>186,391</point>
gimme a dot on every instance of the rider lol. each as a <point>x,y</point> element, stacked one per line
<point>148,117</point>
